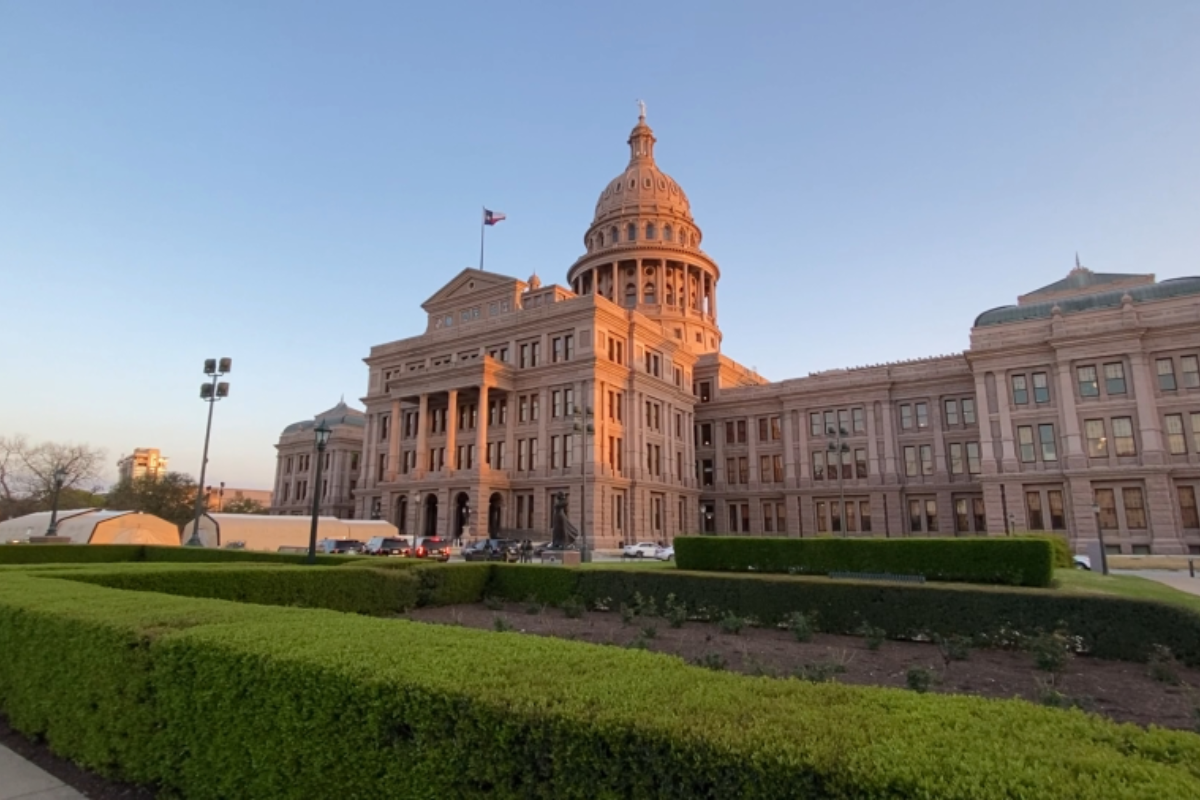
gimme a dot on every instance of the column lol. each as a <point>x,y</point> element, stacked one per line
<point>543,442</point>
<point>510,436</point>
<point>451,429</point>
<point>394,443</point>
<point>800,429</point>
<point>422,436</point>
<point>370,479</point>
<point>752,454</point>
<point>1007,446</point>
<point>481,434</point>
<point>1068,418</point>
<point>719,478</point>
<point>789,449</point>
<point>874,465</point>
<point>888,410</point>
<point>1147,410</point>
<point>987,446</point>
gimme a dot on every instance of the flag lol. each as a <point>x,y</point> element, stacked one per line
<point>491,217</point>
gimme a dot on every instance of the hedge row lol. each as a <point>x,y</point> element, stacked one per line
<point>1007,561</point>
<point>110,553</point>
<point>1109,627</point>
<point>209,699</point>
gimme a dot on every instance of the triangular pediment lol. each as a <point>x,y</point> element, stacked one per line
<point>470,281</point>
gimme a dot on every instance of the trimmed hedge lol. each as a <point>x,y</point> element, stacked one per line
<point>209,699</point>
<point>109,553</point>
<point>1007,561</point>
<point>1109,627</point>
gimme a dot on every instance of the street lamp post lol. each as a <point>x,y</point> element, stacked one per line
<point>377,509</point>
<point>583,426</point>
<point>60,477</point>
<point>322,439</point>
<point>1100,536</point>
<point>209,393</point>
<point>836,445</point>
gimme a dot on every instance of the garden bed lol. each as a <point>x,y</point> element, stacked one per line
<point>1122,691</point>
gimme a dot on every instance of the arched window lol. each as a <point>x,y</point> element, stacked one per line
<point>631,232</point>
<point>648,295</point>
<point>612,235</point>
<point>668,235</point>
<point>670,295</point>
<point>631,294</point>
<point>651,231</point>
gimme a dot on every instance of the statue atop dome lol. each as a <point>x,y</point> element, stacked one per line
<point>641,109</point>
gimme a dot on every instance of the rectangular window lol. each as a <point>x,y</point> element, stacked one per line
<point>764,469</point>
<point>820,509</point>
<point>835,517</point>
<point>706,435</point>
<point>1123,442</point>
<point>818,465</point>
<point>906,419</point>
<point>843,421</point>
<point>533,454</point>
<point>815,428</point>
<point>1058,519</point>
<point>1176,441</point>
<point>956,459</point>
<point>521,455</point>
<point>926,459</point>
<point>1195,433</point>
<point>731,470</point>
<point>1033,511</point>
<point>860,420</point>
<point>1107,500</point>
<point>974,461</point>
<point>951,407</point>
<point>1041,387</point>
<point>1025,442</point>
<point>781,517</point>
<point>977,508</point>
<point>730,432</point>
<point>741,431</point>
<point>1114,378</point>
<point>922,415</point>
<point>1097,442</point>
<point>968,411</point>
<point>763,430</point>
<point>768,517</point>
<point>1135,511</point>
<point>776,429</point>
<point>554,450</point>
<point>910,461</point>
<point>962,521</point>
<point>1020,391</point>
<point>864,515</point>
<point>860,462</point>
<point>1046,437</point>
<point>1189,367</point>
<point>829,428</point>
<point>1187,507</point>
<point>1166,374</point>
<point>1088,385</point>
<point>556,410</point>
<point>706,472</point>
<point>851,521</point>
<point>743,469</point>
<point>777,466</point>
<point>931,515</point>
<point>914,516</point>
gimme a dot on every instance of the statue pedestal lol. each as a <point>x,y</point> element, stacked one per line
<point>570,558</point>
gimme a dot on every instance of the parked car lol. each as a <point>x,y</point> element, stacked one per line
<point>639,550</point>
<point>386,546</point>
<point>665,553</point>
<point>1082,562</point>
<point>431,547</point>
<point>340,546</point>
<point>491,550</point>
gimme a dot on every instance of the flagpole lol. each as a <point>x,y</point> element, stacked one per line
<point>482,227</point>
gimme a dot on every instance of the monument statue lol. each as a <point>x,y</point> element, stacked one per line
<point>563,533</point>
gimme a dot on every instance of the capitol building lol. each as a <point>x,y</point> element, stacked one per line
<point>1077,409</point>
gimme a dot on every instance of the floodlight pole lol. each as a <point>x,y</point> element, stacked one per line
<point>210,394</point>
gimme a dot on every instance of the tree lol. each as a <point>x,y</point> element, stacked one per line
<point>244,505</point>
<point>171,496</point>
<point>27,474</point>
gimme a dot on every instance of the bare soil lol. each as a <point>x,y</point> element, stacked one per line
<point>1122,691</point>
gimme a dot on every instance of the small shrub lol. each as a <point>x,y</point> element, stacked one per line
<point>500,624</point>
<point>919,679</point>
<point>573,607</point>
<point>649,632</point>
<point>713,661</point>
<point>800,625</point>
<point>649,607</point>
<point>677,613</point>
<point>627,614</point>
<point>819,672</point>
<point>602,604</point>
<point>532,606</point>
<point>493,603</point>
<point>731,623</point>
<point>1051,651</point>
<point>1163,665</point>
<point>638,644</point>
<point>874,636</point>
<point>953,648</point>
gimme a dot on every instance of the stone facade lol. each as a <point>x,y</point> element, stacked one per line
<point>1086,392</point>
<point>296,465</point>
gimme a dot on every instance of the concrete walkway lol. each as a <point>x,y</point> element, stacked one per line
<point>21,779</point>
<point>1176,580</point>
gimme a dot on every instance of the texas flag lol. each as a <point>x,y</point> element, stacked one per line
<point>491,217</point>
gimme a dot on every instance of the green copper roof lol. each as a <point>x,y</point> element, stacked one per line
<point>1175,287</point>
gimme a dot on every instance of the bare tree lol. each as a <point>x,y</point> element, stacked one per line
<point>27,470</point>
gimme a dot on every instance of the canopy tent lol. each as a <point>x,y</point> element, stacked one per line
<point>263,532</point>
<point>94,526</point>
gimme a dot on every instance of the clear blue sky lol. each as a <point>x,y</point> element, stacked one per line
<point>285,182</point>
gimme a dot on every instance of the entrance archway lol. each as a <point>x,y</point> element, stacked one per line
<point>431,514</point>
<point>401,520</point>
<point>462,515</point>
<point>495,514</point>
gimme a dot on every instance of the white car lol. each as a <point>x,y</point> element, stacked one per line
<point>639,550</point>
<point>1082,562</point>
<point>664,553</point>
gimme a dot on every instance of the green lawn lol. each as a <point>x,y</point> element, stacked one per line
<point>1077,580</point>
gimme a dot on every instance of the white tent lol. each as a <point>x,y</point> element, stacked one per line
<point>94,526</point>
<point>263,532</point>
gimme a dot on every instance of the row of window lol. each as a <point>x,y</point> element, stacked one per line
<point>842,421</point>
<point>650,232</point>
<point>737,470</point>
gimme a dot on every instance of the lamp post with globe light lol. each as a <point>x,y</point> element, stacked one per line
<point>60,477</point>
<point>322,433</point>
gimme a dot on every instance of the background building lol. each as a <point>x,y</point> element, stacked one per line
<point>295,468</point>
<point>1077,409</point>
<point>144,461</point>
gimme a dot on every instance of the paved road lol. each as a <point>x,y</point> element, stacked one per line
<point>1176,580</point>
<point>21,779</point>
